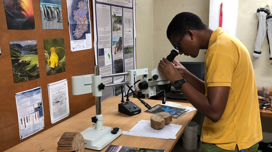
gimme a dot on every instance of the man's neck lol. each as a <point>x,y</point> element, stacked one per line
<point>204,37</point>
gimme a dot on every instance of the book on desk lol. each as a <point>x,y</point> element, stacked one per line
<point>117,148</point>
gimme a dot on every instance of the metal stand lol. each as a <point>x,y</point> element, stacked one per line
<point>98,136</point>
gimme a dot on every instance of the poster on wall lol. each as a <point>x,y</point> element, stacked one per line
<point>30,112</point>
<point>24,59</point>
<point>54,56</point>
<point>79,24</point>
<point>51,14</point>
<point>114,29</point>
<point>19,14</point>
<point>58,100</point>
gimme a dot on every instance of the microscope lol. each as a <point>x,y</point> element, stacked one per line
<point>98,136</point>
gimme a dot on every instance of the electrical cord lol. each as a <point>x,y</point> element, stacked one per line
<point>144,103</point>
<point>122,94</point>
<point>129,90</point>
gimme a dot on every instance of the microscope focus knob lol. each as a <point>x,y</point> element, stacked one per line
<point>101,86</point>
<point>94,119</point>
<point>143,85</point>
<point>155,77</point>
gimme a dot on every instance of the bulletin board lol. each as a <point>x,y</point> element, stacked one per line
<point>77,63</point>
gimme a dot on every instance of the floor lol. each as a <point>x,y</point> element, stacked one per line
<point>179,148</point>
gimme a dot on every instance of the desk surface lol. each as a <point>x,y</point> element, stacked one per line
<point>266,113</point>
<point>47,140</point>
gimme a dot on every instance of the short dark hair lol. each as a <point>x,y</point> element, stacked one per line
<point>182,22</point>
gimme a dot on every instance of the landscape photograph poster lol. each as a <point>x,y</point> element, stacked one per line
<point>54,56</point>
<point>24,59</point>
<point>51,14</point>
<point>19,14</point>
<point>79,24</point>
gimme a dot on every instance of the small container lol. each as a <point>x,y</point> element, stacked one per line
<point>189,144</point>
<point>191,130</point>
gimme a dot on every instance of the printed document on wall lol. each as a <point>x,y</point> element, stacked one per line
<point>126,3</point>
<point>114,40</point>
<point>79,24</point>
<point>58,100</point>
<point>30,112</point>
<point>103,26</point>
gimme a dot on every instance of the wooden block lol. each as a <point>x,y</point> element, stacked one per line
<point>167,117</point>
<point>157,121</point>
<point>71,141</point>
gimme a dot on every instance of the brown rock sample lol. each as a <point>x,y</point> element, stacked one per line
<point>157,121</point>
<point>167,117</point>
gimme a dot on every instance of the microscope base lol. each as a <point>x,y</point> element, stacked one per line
<point>98,139</point>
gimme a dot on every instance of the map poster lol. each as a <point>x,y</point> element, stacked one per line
<point>19,14</point>
<point>51,14</point>
<point>79,24</point>
<point>24,58</point>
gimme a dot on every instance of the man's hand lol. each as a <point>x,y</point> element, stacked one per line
<point>169,71</point>
<point>181,69</point>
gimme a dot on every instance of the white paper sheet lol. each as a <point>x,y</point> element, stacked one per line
<point>30,112</point>
<point>230,15</point>
<point>143,128</point>
<point>58,100</point>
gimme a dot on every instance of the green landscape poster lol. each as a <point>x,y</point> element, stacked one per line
<point>24,58</point>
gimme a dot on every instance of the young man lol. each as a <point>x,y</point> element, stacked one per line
<point>228,96</point>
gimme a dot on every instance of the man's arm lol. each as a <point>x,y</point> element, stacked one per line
<point>212,106</point>
<point>197,83</point>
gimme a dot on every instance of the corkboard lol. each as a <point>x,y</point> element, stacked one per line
<point>77,63</point>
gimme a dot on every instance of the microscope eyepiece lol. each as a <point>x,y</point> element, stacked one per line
<point>172,55</point>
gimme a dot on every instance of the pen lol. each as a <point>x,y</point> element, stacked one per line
<point>221,15</point>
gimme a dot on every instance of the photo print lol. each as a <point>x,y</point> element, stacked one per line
<point>117,22</point>
<point>24,58</point>
<point>19,14</point>
<point>51,14</point>
<point>117,45</point>
<point>128,50</point>
<point>54,56</point>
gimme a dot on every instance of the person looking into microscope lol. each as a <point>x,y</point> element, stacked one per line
<point>228,96</point>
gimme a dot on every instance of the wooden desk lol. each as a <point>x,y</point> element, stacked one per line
<point>47,140</point>
<point>266,113</point>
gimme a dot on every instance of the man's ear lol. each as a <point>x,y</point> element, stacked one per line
<point>191,34</point>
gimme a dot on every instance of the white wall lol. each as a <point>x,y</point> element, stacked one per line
<point>164,12</point>
<point>246,32</point>
<point>153,17</point>
<point>144,34</point>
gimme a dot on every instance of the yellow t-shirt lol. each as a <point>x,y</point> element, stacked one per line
<point>228,64</point>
